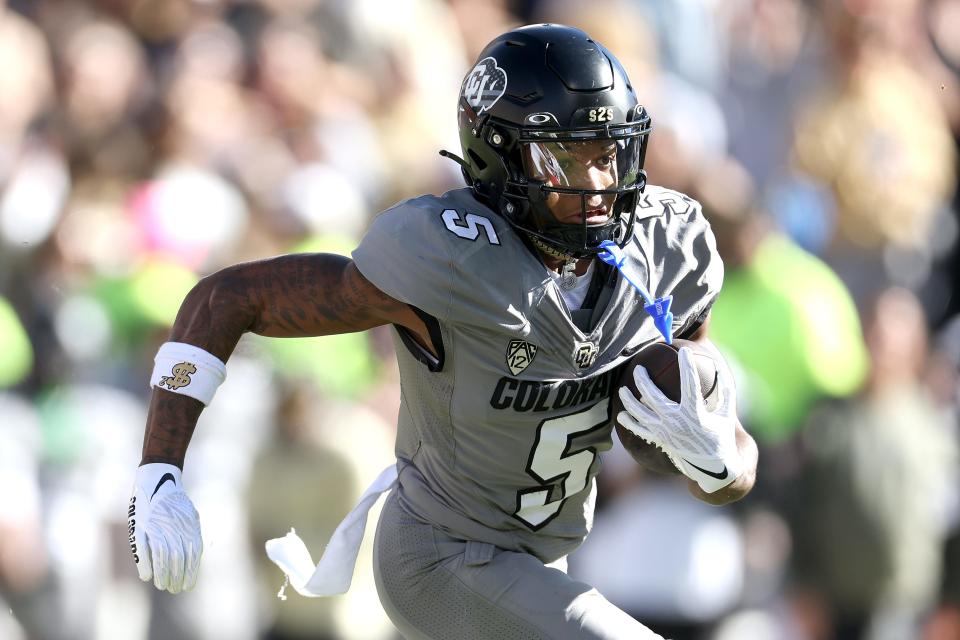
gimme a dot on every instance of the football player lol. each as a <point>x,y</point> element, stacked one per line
<point>509,334</point>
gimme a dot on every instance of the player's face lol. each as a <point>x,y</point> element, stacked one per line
<point>591,164</point>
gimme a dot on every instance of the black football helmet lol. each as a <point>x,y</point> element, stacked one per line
<point>546,110</point>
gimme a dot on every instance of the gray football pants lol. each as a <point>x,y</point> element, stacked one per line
<point>435,587</point>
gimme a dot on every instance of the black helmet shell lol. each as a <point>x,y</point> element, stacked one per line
<point>549,82</point>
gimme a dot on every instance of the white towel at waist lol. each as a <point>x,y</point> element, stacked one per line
<point>333,574</point>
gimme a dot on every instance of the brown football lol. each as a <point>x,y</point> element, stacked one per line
<point>661,360</point>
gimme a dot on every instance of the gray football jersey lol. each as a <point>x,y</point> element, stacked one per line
<point>499,437</point>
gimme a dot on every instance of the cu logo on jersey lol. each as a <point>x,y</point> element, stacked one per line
<point>585,355</point>
<point>519,355</point>
<point>484,85</point>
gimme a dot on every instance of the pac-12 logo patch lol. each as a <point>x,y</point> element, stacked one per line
<point>519,355</point>
<point>484,85</point>
<point>585,355</point>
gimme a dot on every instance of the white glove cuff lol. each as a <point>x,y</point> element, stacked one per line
<point>148,475</point>
<point>188,370</point>
<point>712,475</point>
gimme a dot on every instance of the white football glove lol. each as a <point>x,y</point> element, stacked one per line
<point>164,529</point>
<point>701,443</point>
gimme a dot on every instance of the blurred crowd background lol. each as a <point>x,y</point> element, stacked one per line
<point>146,143</point>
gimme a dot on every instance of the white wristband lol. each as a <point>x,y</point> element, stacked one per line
<point>188,370</point>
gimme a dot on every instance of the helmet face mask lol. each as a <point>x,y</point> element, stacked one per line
<point>554,139</point>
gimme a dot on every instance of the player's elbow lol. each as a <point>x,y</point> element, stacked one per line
<point>222,299</point>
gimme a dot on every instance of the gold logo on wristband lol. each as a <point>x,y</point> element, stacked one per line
<point>180,378</point>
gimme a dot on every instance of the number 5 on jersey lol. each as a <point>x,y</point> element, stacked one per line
<point>469,226</point>
<point>558,469</point>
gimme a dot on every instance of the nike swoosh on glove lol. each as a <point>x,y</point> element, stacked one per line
<point>701,443</point>
<point>164,529</point>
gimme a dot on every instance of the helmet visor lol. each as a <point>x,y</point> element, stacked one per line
<point>595,165</point>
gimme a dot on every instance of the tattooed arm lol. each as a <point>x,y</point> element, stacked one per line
<point>289,296</point>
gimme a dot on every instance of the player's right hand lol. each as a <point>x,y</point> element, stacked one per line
<point>164,529</point>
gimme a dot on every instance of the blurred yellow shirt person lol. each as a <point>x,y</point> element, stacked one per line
<point>791,324</point>
<point>17,360</point>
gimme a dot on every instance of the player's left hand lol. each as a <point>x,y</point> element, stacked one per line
<point>701,443</point>
<point>164,529</point>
